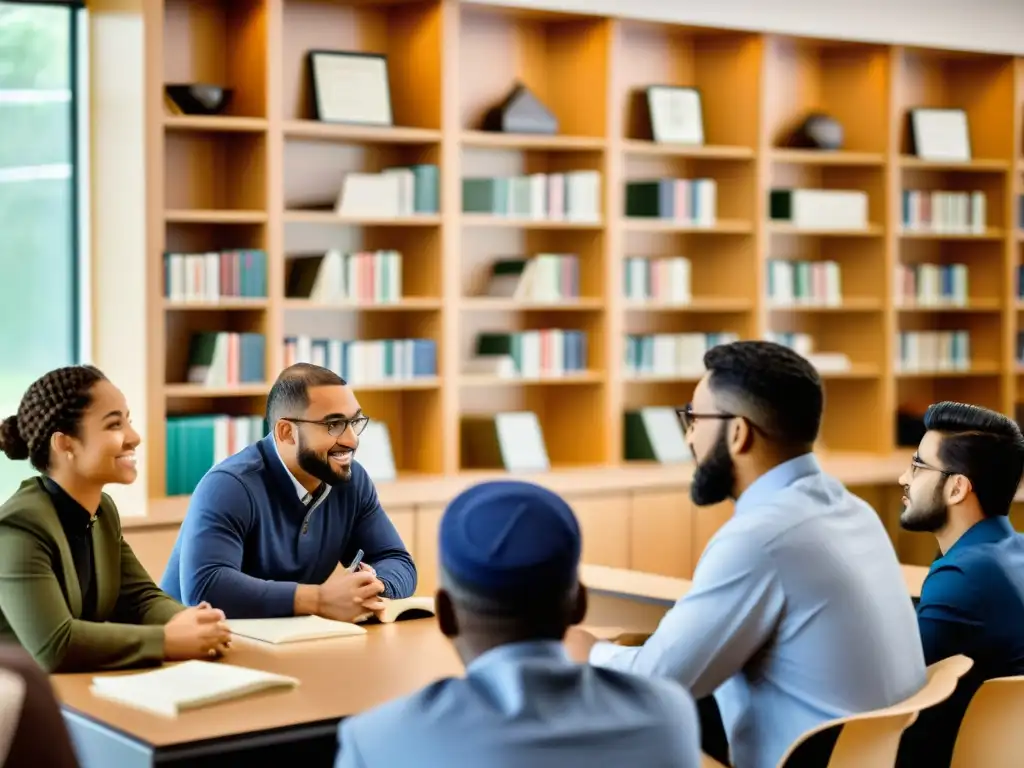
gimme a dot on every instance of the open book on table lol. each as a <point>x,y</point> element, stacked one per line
<point>173,689</point>
<point>415,607</point>
<point>296,629</point>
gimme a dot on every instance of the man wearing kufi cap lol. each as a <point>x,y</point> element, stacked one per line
<point>509,556</point>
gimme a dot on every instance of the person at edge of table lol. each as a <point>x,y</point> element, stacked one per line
<point>798,611</point>
<point>509,556</point>
<point>269,531</point>
<point>72,592</point>
<point>959,486</point>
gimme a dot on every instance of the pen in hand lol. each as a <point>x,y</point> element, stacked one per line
<point>355,562</point>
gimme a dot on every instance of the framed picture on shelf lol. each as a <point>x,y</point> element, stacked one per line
<point>675,114</point>
<point>940,134</point>
<point>350,87</point>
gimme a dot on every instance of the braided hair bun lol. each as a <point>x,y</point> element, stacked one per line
<point>53,403</point>
<point>11,442</point>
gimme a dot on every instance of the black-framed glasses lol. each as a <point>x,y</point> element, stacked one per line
<point>687,417</point>
<point>336,427</point>
<point>916,464</point>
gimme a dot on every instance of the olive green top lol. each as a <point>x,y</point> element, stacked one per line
<point>41,601</point>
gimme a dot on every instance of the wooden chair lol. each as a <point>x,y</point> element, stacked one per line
<point>990,734</point>
<point>872,739</point>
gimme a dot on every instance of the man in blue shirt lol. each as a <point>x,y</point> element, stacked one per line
<point>959,486</point>
<point>509,555</point>
<point>798,611</point>
<point>269,530</point>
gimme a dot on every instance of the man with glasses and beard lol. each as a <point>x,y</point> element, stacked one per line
<point>959,487</point>
<point>269,531</point>
<point>798,611</point>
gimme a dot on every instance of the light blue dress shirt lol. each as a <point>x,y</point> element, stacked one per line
<point>527,705</point>
<point>798,614</point>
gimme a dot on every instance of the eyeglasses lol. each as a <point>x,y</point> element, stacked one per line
<point>337,427</point>
<point>916,464</point>
<point>687,417</point>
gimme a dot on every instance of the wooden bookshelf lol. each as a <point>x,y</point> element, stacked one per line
<point>256,178</point>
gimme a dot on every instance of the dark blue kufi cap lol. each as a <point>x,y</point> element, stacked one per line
<point>508,536</point>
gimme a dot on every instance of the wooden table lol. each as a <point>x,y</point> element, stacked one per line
<point>338,678</point>
<point>620,597</point>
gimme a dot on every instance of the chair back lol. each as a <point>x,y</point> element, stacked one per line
<point>872,739</point>
<point>990,734</point>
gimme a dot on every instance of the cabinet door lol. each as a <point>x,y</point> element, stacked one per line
<point>604,523</point>
<point>424,552</point>
<point>152,546</point>
<point>661,533</point>
<point>706,521</point>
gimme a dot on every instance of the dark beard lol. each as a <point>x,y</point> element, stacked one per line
<point>319,466</point>
<point>713,479</point>
<point>926,517</point>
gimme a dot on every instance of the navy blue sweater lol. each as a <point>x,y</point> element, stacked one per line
<point>245,544</point>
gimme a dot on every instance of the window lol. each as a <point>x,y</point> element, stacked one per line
<point>39,208</point>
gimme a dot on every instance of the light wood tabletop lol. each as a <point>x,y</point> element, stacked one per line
<point>338,677</point>
<point>602,579</point>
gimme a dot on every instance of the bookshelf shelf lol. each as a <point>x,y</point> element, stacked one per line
<point>638,148</point>
<point>406,304</point>
<point>227,304</point>
<point>215,124</point>
<point>183,391</point>
<point>582,304</point>
<point>485,139</point>
<point>266,174</point>
<point>567,379</point>
<point>329,217</point>
<point>827,157</point>
<point>720,227</point>
<point>207,216</point>
<point>968,166</point>
<point>872,230</point>
<point>316,131</point>
<point>489,220</point>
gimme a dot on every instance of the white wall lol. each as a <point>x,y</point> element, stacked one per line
<point>118,189</point>
<point>995,26</point>
<point>118,221</point>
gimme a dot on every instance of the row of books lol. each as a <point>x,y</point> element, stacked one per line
<point>194,443</point>
<point>803,283</point>
<point>805,208</point>
<point>933,351</point>
<point>1020,348</point>
<point>944,211</point>
<point>544,277</point>
<point>803,344</point>
<point>214,275</point>
<point>399,191</point>
<point>372,277</point>
<point>658,355</point>
<point>693,201</point>
<point>223,358</point>
<point>931,285</point>
<point>366,361</point>
<point>570,196</point>
<point>665,280</point>
<point>531,354</point>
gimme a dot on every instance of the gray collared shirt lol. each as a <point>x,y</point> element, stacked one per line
<point>798,614</point>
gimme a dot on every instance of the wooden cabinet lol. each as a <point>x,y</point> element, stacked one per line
<point>661,536</point>
<point>152,545</point>
<point>604,525</point>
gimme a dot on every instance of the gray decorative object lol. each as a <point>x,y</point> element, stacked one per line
<point>819,131</point>
<point>521,112</point>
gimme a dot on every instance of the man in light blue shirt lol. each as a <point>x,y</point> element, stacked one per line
<point>509,555</point>
<point>798,612</point>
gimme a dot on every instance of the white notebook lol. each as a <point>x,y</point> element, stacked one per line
<point>293,629</point>
<point>191,684</point>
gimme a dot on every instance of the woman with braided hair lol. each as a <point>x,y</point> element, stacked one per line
<point>72,592</point>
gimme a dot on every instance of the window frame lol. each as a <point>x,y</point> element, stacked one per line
<point>80,265</point>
